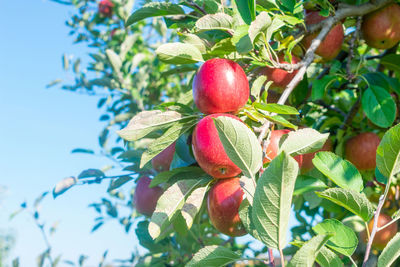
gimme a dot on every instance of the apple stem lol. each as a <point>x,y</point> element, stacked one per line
<point>375,226</point>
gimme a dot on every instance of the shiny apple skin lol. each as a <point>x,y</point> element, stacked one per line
<point>273,146</point>
<point>307,158</point>
<point>381,28</point>
<point>220,86</point>
<point>223,202</point>
<point>146,198</point>
<point>209,151</point>
<point>106,8</point>
<point>162,161</point>
<point>332,44</point>
<point>361,150</point>
<point>280,78</point>
<point>382,237</point>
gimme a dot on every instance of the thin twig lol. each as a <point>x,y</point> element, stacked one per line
<point>46,240</point>
<point>352,113</point>
<point>353,40</point>
<point>331,107</point>
<point>196,6</point>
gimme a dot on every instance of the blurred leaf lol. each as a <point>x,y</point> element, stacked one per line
<point>63,186</point>
<point>91,173</point>
<point>154,9</point>
<point>65,62</point>
<point>388,153</point>
<point>39,199</point>
<point>114,59</point>
<point>116,183</point>
<point>306,183</point>
<point>273,199</point>
<point>179,53</point>
<point>390,253</point>
<point>55,82</point>
<point>213,256</point>
<point>178,173</point>
<point>320,86</point>
<point>391,61</point>
<point>341,172</point>
<point>351,200</point>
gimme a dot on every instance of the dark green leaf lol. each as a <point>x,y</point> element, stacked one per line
<point>154,9</point>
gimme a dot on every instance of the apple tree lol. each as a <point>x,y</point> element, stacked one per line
<point>228,118</point>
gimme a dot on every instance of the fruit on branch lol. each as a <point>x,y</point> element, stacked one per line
<point>220,86</point>
<point>223,202</point>
<point>106,8</point>
<point>382,237</point>
<point>162,161</point>
<point>209,151</point>
<point>381,28</point>
<point>145,198</point>
<point>307,158</point>
<point>273,147</point>
<point>280,77</point>
<point>332,44</point>
<point>361,150</point>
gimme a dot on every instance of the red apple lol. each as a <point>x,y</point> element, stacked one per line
<point>162,161</point>
<point>361,150</point>
<point>209,151</point>
<point>223,204</point>
<point>307,158</point>
<point>280,77</point>
<point>106,8</point>
<point>382,237</point>
<point>220,86</point>
<point>273,146</point>
<point>146,198</point>
<point>332,44</point>
<point>381,28</point>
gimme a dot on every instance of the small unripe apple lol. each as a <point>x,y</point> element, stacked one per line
<point>162,161</point>
<point>307,158</point>
<point>273,147</point>
<point>223,202</point>
<point>280,78</point>
<point>382,237</point>
<point>361,150</point>
<point>332,44</point>
<point>220,86</point>
<point>146,198</point>
<point>381,28</point>
<point>209,151</point>
<point>106,8</point>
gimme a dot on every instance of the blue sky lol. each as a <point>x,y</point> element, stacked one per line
<point>39,128</point>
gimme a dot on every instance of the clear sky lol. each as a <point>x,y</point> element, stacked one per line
<point>38,129</point>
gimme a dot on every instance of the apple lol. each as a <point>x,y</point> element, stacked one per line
<point>106,8</point>
<point>381,28</point>
<point>361,150</point>
<point>146,198</point>
<point>273,147</point>
<point>280,77</point>
<point>162,161</point>
<point>382,237</point>
<point>223,202</point>
<point>332,44</point>
<point>220,86</point>
<point>307,158</point>
<point>209,151</point>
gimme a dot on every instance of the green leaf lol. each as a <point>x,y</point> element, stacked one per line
<point>63,186</point>
<point>379,106</point>
<point>193,205</point>
<point>195,40</point>
<point>257,85</point>
<point>246,10</point>
<point>319,87</point>
<point>281,120</point>
<point>273,200</point>
<point>390,253</point>
<point>328,258</point>
<point>240,144</point>
<point>245,214</point>
<point>241,39</point>
<point>154,9</point>
<point>392,62</point>
<point>377,79</point>
<point>249,187</point>
<point>116,183</point>
<point>306,255</point>
<point>259,26</point>
<point>218,21</point>
<point>170,136</point>
<point>171,202</point>
<point>82,150</point>
<point>388,153</point>
<point>344,239</point>
<point>351,200</point>
<point>147,122</point>
<point>213,256</point>
<point>341,172</point>
<point>178,174</point>
<point>277,108</point>
<point>91,173</point>
<point>303,141</point>
<point>179,53</point>
<point>145,239</point>
<point>306,183</point>
<point>114,59</point>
